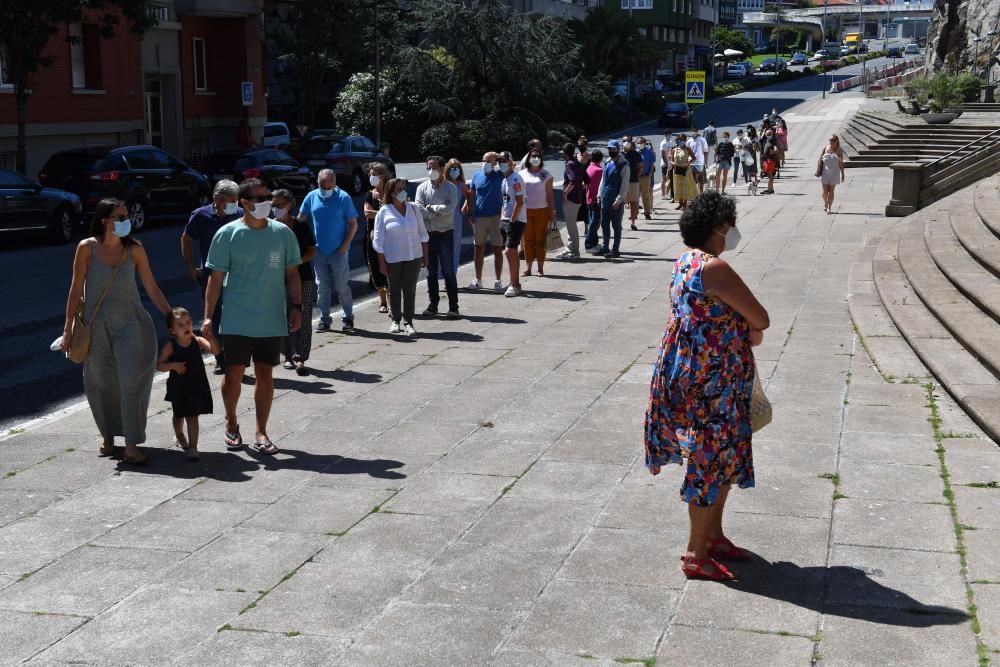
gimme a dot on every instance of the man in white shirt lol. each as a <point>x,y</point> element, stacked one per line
<point>437,198</point>
<point>699,147</point>
<point>666,169</point>
<point>513,219</point>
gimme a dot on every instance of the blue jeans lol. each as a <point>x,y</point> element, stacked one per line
<point>611,219</point>
<point>441,256</point>
<point>593,225</point>
<point>333,273</point>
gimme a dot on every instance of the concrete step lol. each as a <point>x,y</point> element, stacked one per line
<point>974,330</point>
<point>975,237</point>
<point>974,388</point>
<point>986,199</point>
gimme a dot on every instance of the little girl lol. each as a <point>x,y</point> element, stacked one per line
<point>187,386</point>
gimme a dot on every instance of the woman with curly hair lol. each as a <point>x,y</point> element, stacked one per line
<point>699,399</point>
<point>378,176</point>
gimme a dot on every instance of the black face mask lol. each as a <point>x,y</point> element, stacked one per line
<point>613,155</point>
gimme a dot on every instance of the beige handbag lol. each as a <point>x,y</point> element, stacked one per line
<point>760,406</point>
<point>553,239</point>
<point>79,346</point>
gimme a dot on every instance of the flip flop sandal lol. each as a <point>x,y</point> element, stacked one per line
<point>107,450</point>
<point>265,447</point>
<point>383,309</point>
<point>136,460</point>
<point>234,441</point>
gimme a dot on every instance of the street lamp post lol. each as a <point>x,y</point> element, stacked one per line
<point>885,46</point>
<point>378,75</point>
<point>628,75</point>
<point>777,34</point>
<point>822,41</point>
<point>975,58</point>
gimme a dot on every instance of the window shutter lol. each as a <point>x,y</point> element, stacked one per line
<point>76,56</point>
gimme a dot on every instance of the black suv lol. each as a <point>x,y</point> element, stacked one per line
<point>348,156</point>
<point>276,168</point>
<point>149,180</point>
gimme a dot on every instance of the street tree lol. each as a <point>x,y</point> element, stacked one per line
<point>726,38</point>
<point>27,27</point>
<point>611,44</point>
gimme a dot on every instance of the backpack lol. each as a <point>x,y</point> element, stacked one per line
<point>710,133</point>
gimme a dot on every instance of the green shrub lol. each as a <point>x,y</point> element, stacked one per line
<point>556,139</point>
<point>918,90</point>
<point>851,60</point>
<point>469,139</point>
<point>968,86</point>
<point>944,92</point>
<point>568,130</point>
<point>402,118</point>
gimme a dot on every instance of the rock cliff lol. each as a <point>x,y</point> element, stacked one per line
<point>954,26</point>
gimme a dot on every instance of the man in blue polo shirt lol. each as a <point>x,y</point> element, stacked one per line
<point>201,227</point>
<point>334,221</point>
<point>485,202</point>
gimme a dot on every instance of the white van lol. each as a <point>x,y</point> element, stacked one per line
<point>276,135</point>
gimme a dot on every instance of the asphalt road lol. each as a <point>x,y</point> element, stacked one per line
<point>35,280</point>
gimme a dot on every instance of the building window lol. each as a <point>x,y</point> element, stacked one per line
<point>5,80</point>
<point>637,4</point>
<point>200,65</point>
<point>161,14</point>
<point>85,56</point>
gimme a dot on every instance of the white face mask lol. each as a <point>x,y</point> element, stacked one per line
<point>325,194</point>
<point>433,174</point>
<point>279,213</point>
<point>641,146</point>
<point>262,209</point>
<point>535,161</point>
<point>401,196</point>
<point>733,238</point>
<point>374,180</point>
<point>232,208</point>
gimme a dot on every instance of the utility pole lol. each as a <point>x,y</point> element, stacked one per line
<point>822,41</point>
<point>777,34</point>
<point>378,76</point>
<point>885,46</point>
<point>628,75</point>
<point>975,58</point>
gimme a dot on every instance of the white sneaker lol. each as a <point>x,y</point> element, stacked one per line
<point>498,286</point>
<point>475,284</point>
<point>409,330</point>
<point>565,254</point>
<point>394,328</point>
<point>512,291</point>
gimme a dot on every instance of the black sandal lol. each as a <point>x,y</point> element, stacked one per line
<point>234,441</point>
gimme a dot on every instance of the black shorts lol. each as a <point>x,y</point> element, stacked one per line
<point>241,350</point>
<point>511,231</point>
<point>664,169</point>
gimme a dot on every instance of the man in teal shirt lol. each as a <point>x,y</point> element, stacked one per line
<point>254,261</point>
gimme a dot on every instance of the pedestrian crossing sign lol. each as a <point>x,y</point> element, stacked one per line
<point>694,86</point>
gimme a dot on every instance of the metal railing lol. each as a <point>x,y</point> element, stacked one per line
<point>993,136</point>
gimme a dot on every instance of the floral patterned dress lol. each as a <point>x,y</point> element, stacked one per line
<point>699,398</point>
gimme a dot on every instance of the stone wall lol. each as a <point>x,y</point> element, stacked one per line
<point>954,24</point>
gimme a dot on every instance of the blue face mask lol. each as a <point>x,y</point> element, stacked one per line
<point>454,172</point>
<point>504,167</point>
<point>325,194</point>
<point>232,208</point>
<point>401,196</point>
<point>122,228</point>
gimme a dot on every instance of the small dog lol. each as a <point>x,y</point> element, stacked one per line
<point>752,188</point>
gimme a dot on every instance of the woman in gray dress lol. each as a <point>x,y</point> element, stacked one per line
<point>118,372</point>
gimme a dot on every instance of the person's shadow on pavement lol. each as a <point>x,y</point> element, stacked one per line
<point>840,591</point>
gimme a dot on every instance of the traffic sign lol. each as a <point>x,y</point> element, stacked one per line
<point>694,86</point>
<point>246,90</point>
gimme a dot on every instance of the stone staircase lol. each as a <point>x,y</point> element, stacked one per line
<point>877,139</point>
<point>938,276</point>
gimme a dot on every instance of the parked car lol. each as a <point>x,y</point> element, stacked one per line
<point>276,168</point>
<point>846,50</point>
<point>276,135</point>
<point>799,58</point>
<point>25,204</point>
<point>894,52</point>
<point>747,67</point>
<point>619,89</point>
<point>322,132</point>
<point>675,114</point>
<point>735,72</point>
<point>149,180</point>
<point>348,156</point>
<point>912,49</point>
<point>773,65</point>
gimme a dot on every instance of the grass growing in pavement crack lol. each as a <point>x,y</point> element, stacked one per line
<point>16,431</point>
<point>835,478</point>
<point>292,633</point>
<point>646,662</point>
<point>949,494</point>
<point>983,485</point>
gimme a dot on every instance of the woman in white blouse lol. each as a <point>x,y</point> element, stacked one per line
<point>400,239</point>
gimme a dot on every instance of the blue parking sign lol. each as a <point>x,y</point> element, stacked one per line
<point>246,88</point>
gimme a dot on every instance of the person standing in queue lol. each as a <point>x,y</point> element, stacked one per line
<point>539,198</point>
<point>484,203</point>
<point>378,175</point>
<point>401,242</point>
<point>258,260</point>
<point>574,196</point>
<point>334,220</point>
<point>611,196</point>
<point>513,220</point>
<point>595,170</point>
<point>297,345</point>
<point>666,184</point>
<point>456,176</point>
<point>437,199</point>
<point>202,226</point>
<point>634,159</point>
<point>648,167</point>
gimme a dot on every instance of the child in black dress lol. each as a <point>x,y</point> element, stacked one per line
<point>187,386</point>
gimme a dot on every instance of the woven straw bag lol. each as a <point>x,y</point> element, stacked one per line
<point>760,407</point>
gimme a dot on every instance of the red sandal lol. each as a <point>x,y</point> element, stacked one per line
<point>726,550</point>
<point>695,568</point>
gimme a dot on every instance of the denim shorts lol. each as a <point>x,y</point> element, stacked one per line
<point>725,164</point>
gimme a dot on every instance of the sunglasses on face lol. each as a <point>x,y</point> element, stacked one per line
<point>259,198</point>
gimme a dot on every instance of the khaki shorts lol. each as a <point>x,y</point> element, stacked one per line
<point>633,192</point>
<point>488,229</point>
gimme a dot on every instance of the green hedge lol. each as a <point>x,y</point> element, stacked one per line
<point>469,139</point>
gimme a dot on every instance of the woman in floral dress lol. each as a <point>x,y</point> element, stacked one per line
<point>699,399</point>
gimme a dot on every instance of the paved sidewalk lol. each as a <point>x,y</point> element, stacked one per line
<point>477,495</point>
